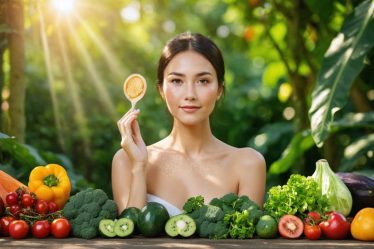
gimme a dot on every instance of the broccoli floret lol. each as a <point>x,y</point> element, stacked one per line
<point>212,213</point>
<point>229,199</point>
<point>193,203</point>
<point>216,202</point>
<point>94,205</point>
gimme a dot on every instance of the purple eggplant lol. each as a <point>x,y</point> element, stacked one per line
<point>361,188</point>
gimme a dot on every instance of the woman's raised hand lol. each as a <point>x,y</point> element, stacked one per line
<point>132,141</point>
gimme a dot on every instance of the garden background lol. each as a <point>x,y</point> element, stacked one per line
<point>299,80</point>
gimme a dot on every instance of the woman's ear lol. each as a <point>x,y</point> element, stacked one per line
<point>220,91</point>
<point>160,91</point>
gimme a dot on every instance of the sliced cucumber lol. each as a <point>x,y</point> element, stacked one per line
<point>106,228</point>
<point>181,224</point>
<point>124,227</point>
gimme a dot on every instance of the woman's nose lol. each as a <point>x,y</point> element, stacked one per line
<point>190,91</point>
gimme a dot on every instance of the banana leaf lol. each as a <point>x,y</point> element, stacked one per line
<point>342,63</point>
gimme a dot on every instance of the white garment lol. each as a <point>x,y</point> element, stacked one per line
<point>172,210</point>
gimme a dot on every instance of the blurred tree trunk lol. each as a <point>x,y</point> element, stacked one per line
<point>17,84</point>
<point>3,43</point>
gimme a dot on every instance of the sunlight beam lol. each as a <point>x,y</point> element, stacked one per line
<point>97,81</point>
<point>63,6</point>
<point>112,61</point>
<point>79,115</point>
<point>51,80</point>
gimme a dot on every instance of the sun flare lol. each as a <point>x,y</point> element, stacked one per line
<point>64,6</point>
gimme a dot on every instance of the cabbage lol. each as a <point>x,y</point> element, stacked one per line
<point>337,193</point>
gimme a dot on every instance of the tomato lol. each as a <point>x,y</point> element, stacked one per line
<point>312,232</point>
<point>60,228</point>
<point>362,227</point>
<point>314,217</point>
<point>27,200</point>
<point>18,229</point>
<point>4,225</point>
<point>15,210</point>
<point>336,226</point>
<point>41,207</point>
<point>41,229</point>
<point>290,226</point>
<point>11,199</point>
<point>52,206</point>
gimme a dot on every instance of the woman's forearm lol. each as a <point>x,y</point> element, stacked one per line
<point>138,187</point>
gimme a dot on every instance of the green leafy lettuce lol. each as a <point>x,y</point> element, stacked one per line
<point>300,195</point>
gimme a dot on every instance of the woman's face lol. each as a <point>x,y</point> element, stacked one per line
<point>190,87</point>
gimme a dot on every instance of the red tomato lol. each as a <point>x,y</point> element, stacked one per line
<point>15,210</point>
<point>11,199</point>
<point>18,229</point>
<point>41,207</point>
<point>312,232</point>
<point>52,207</point>
<point>41,229</point>
<point>4,225</point>
<point>314,217</point>
<point>336,226</point>
<point>27,200</point>
<point>290,226</point>
<point>60,228</point>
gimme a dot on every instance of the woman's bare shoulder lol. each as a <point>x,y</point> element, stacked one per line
<point>120,157</point>
<point>248,157</point>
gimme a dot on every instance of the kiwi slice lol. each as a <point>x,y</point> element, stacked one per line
<point>106,228</point>
<point>124,227</point>
<point>181,224</point>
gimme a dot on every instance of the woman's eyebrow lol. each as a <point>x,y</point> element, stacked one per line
<point>198,74</point>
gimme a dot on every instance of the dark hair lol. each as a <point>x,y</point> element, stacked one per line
<point>195,42</point>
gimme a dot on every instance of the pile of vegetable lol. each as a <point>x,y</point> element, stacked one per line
<point>316,207</point>
<point>86,209</point>
<point>230,216</point>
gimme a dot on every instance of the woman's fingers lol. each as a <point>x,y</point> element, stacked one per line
<point>121,123</point>
<point>136,132</point>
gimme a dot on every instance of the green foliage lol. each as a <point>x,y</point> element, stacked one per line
<point>343,61</point>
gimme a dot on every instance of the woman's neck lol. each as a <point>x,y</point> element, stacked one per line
<point>191,140</point>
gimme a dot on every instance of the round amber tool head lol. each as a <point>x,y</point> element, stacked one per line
<point>134,87</point>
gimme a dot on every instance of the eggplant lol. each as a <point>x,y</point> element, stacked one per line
<point>361,188</point>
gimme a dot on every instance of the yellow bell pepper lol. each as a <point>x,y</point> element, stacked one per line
<point>50,183</point>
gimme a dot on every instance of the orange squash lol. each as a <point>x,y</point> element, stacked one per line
<point>8,184</point>
<point>362,227</point>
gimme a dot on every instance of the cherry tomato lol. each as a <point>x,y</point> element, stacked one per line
<point>41,207</point>
<point>312,232</point>
<point>4,225</point>
<point>11,198</point>
<point>60,228</point>
<point>41,229</point>
<point>18,229</point>
<point>336,226</point>
<point>27,200</point>
<point>52,207</point>
<point>314,217</point>
<point>15,210</point>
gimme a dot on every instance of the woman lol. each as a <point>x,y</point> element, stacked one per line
<point>190,161</point>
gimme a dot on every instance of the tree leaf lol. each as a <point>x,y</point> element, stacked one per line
<point>300,143</point>
<point>355,151</point>
<point>342,63</point>
<point>354,120</point>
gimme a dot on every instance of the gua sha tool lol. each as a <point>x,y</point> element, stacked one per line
<point>134,88</point>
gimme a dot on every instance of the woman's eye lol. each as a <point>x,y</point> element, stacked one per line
<point>176,81</point>
<point>203,81</point>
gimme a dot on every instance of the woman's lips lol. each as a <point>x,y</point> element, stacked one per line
<point>190,108</point>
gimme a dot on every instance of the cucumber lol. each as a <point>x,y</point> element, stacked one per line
<point>123,227</point>
<point>106,228</point>
<point>152,219</point>
<point>181,224</point>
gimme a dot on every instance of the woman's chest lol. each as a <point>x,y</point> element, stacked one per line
<point>179,177</point>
